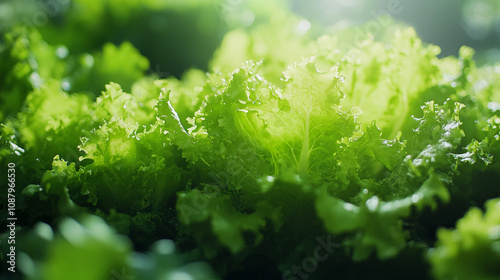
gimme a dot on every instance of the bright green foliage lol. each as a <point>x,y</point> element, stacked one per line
<point>309,121</point>
<point>225,127</point>
<point>300,125</point>
<point>116,149</point>
<point>115,103</point>
<point>285,140</point>
<point>278,44</point>
<point>378,222</point>
<point>383,81</point>
<point>47,126</point>
<point>185,95</point>
<point>471,251</point>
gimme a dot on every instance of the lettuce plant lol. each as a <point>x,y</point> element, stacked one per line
<point>238,171</point>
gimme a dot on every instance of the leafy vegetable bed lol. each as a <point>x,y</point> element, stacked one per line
<point>289,159</point>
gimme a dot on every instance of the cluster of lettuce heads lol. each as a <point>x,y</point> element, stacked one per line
<point>380,146</point>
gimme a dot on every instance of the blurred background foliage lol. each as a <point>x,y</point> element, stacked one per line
<point>448,24</point>
<point>163,31</point>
